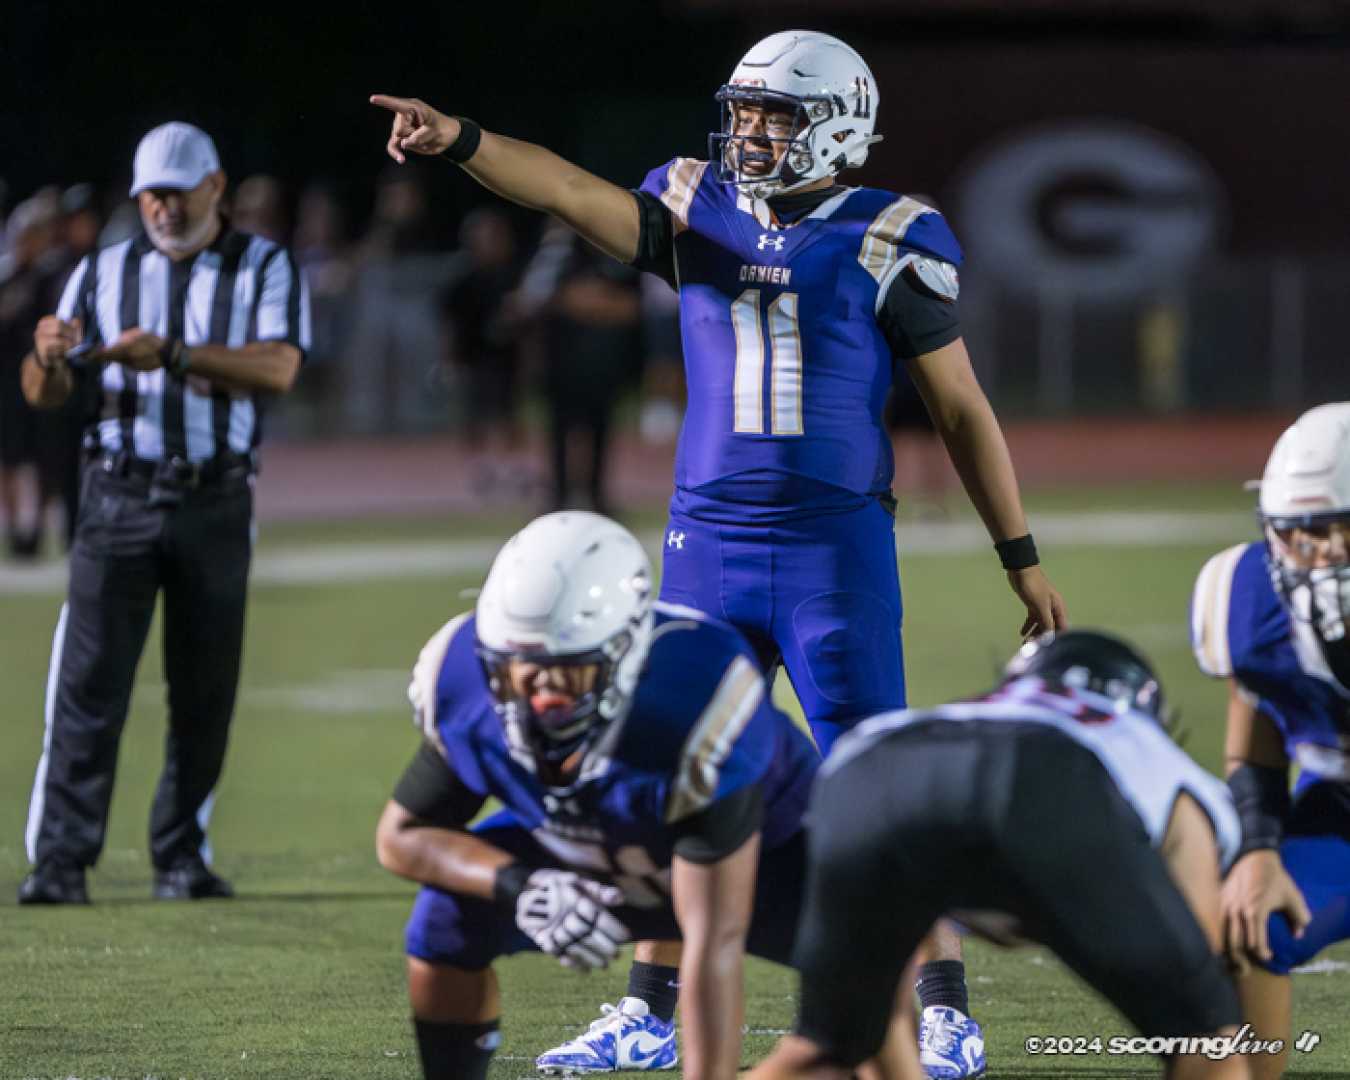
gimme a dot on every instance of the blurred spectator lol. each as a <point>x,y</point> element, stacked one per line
<point>592,309</point>
<point>393,374</point>
<point>259,207</point>
<point>24,294</point>
<point>483,340</point>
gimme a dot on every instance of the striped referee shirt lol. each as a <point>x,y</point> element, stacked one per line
<point>239,290</point>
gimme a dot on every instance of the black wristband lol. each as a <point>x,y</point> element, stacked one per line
<point>1018,553</point>
<point>510,883</point>
<point>174,356</point>
<point>1261,795</point>
<point>466,142</point>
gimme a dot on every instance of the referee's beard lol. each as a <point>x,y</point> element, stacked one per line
<point>195,236</point>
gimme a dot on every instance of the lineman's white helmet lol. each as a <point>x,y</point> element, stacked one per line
<point>1305,508</point>
<point>825,84</point>
<point>569,588</point>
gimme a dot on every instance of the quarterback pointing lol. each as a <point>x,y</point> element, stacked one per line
<point>1272,619</point>
<point>798,296</point>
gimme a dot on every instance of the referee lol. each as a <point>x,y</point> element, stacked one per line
<point>171,341</point>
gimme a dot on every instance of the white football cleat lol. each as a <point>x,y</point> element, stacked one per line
<point>624,1038</point>
<point>951,1044</point>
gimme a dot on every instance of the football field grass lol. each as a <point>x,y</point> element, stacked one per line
<point>301,976</point>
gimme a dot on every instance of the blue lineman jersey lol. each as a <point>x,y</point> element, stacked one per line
<point>786,364</point>
<point>701,728</point>
<point>1240,630</point>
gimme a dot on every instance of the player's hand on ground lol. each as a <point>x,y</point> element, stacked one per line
<point>417,127</point>
<point>568,916</point>
<point>1256,887</point>
<point>136,348</point>
<point>55,337</point>
<point>1045,607</point>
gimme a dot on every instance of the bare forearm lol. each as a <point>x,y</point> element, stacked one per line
<point>532,176</point>
<point>980,455</point>
<point>711,980</point>
<point>45,387</point>
<point>263,365</point>
<point>455,861</point>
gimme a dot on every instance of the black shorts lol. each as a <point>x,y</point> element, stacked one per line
<point>991,816</point>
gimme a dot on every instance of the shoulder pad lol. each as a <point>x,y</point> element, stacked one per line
<point>927,276</point>
<point>426,674</point>
<point>712,738</point>
<point>1210,610</point>
<point>902,225</point>
<point>675,184</point>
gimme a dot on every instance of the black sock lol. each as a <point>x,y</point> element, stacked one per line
<point>455,1051</point>
<point>943,983</point>
<point>657,985</point>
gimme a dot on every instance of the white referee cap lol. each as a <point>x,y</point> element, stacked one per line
<point>174,155</point>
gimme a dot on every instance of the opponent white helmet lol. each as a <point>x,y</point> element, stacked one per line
<point>825,85</point>
<point>569,588</point>
<point>1305,509</point>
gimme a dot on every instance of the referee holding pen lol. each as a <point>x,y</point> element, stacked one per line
<point>171,341</point>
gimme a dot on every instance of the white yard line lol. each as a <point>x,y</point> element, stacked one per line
<point>325,563</point>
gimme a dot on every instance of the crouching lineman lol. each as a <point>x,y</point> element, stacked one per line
<point>1272,619</point>
<point>1055,809</point>
<point>648,786</point>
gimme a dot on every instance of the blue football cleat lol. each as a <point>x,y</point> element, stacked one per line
<point>951,1044</point>
<point>626,1037</point>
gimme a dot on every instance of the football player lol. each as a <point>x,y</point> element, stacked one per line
<point>1271,619</point>
<point>648,787</point>
<point>798,296</point>
<point>1056,809</point>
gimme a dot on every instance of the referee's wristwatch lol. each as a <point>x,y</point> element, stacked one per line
<point>177,357</point>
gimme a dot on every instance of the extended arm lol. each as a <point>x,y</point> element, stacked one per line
<point>713,903</point>
<point>604,213</point>
<point>966,422</point>
<point>1257,885</point>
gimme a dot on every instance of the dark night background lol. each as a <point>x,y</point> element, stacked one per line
<point>1259,89</point>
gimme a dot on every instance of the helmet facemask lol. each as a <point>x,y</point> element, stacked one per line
<point>1309,558</point>
<point>553,735</point>
<point>800,141</point>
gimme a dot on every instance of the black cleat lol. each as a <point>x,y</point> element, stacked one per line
<point>191,882</point>
<point>54,883</point>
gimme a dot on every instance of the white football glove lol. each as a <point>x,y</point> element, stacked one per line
<point>567,916</point>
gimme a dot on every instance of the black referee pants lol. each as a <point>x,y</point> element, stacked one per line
<point>194,544</point>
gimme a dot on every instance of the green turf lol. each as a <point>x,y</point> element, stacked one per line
<point>301,976</point>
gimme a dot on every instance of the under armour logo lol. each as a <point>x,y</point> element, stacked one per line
<point>675,540</point>
<point>768,240</point>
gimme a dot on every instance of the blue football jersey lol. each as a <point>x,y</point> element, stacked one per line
<point>701,727</point>
<point>786,366</point>
<point>1240,630</point>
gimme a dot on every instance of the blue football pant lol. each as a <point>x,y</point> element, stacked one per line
<point>819,594</point>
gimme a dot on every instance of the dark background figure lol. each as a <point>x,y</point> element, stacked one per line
<point>921,469</point>
<point>483,345</point>
<point>26,284</point>
<point>591,308</point>
<point>259,207</point>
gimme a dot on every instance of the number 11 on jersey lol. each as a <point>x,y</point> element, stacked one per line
<point>785,365</point>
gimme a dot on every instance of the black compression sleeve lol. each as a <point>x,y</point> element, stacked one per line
<point>914,320</point>
<point>431,792</point>
<point>716,832</point>
<point>656,238</point>
<point>1261,794</point>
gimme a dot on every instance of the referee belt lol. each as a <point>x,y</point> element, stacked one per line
<point>177,471</point>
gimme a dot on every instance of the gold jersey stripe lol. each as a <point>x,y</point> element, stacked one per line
<point>1209,613</point>
<point>879,252</point>
<point>705,751</point>
<point>682,180</point>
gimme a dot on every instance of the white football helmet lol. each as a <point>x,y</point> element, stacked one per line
<point>569,588</point>
<point>1305,510</point>
<point>825,84</point>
